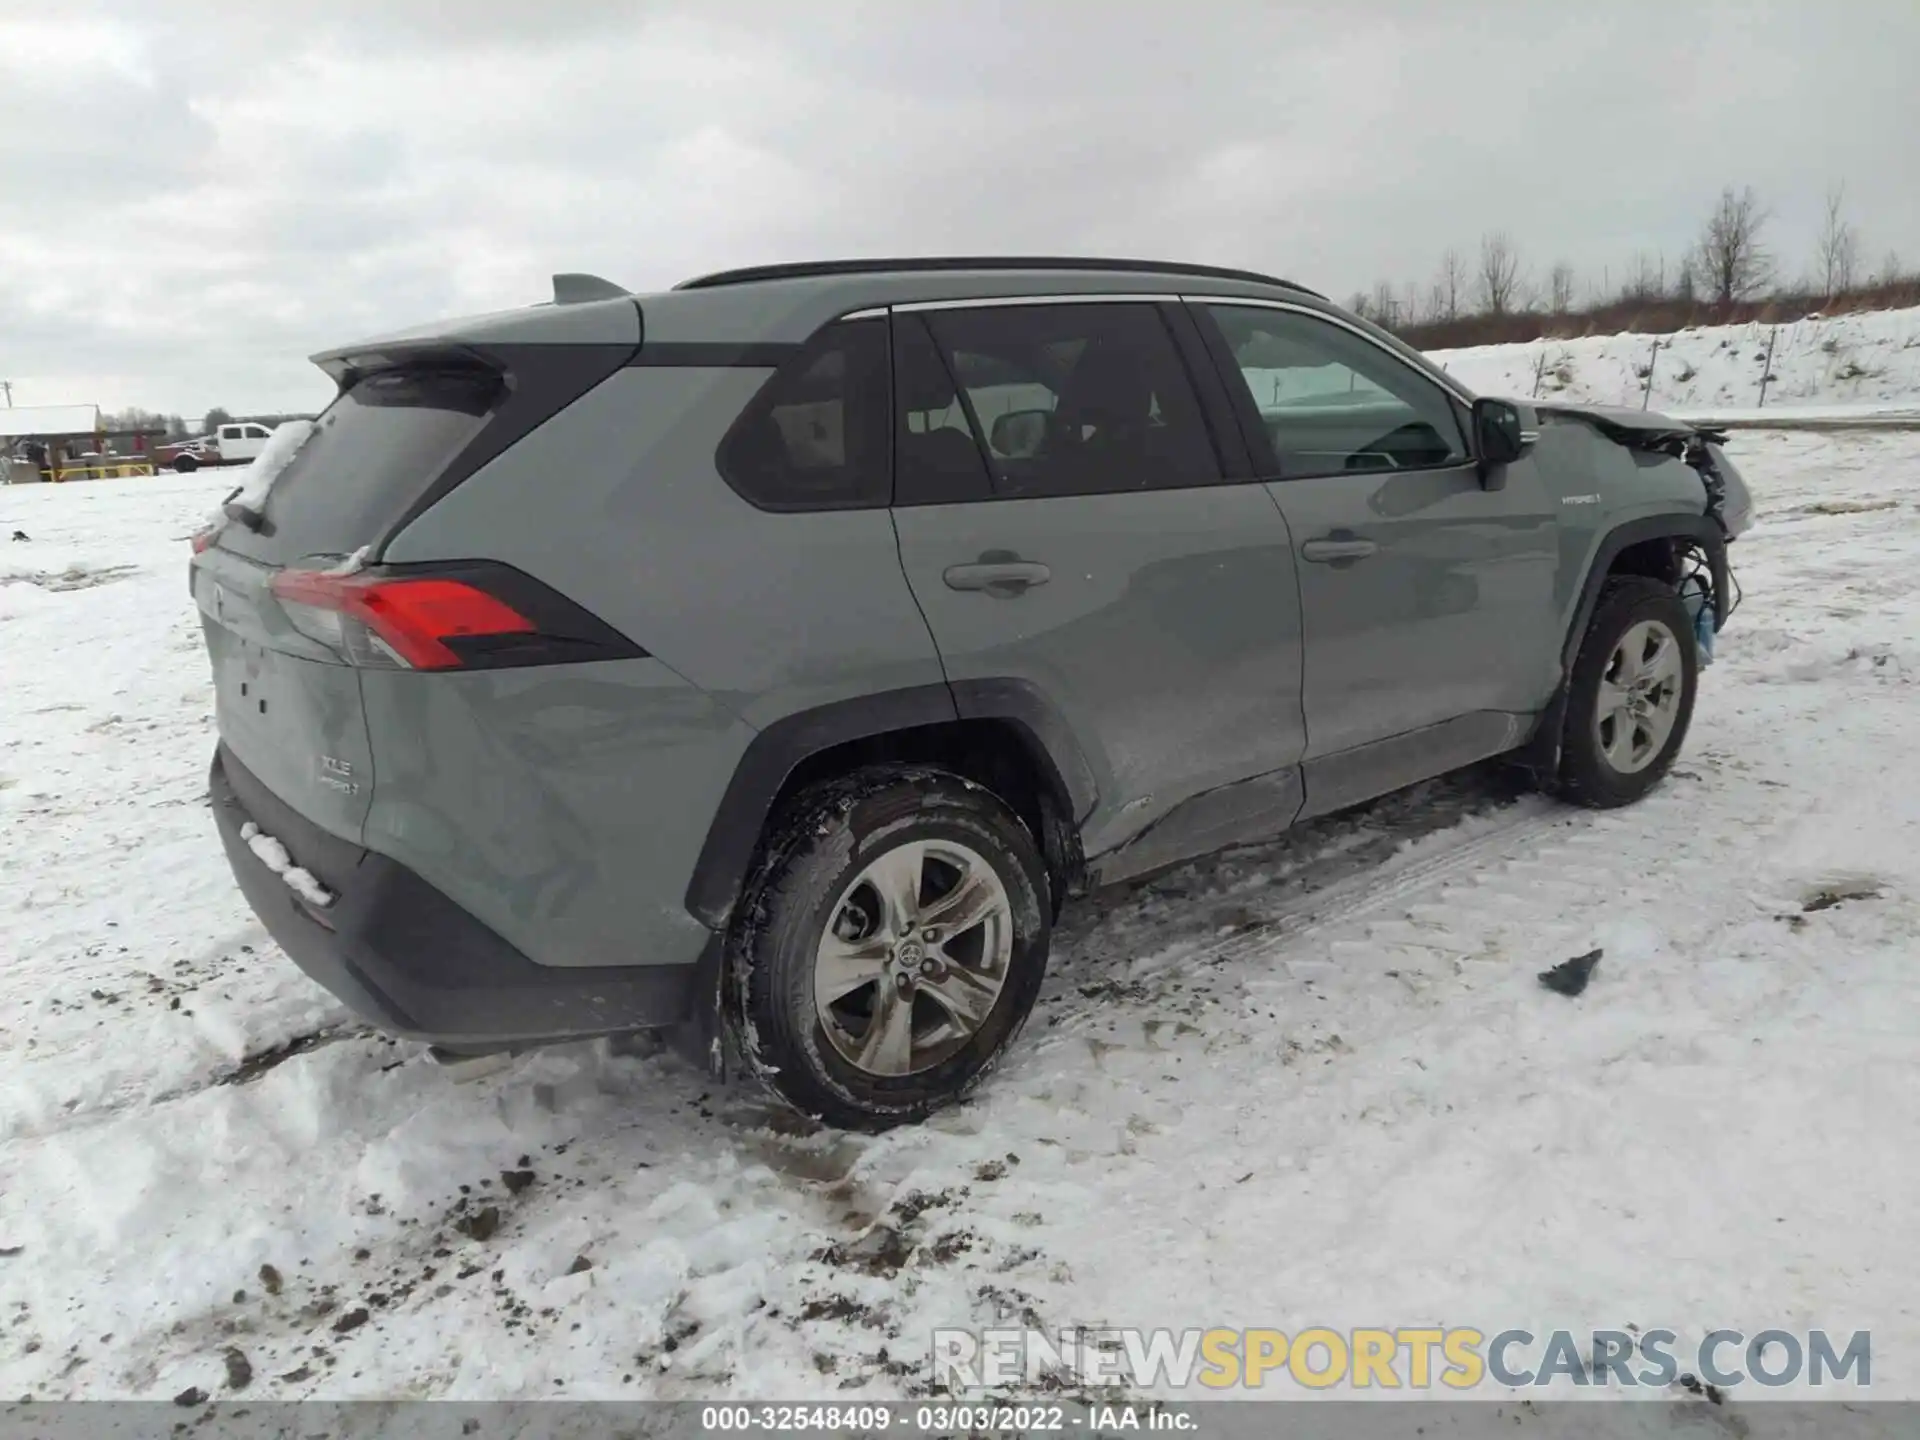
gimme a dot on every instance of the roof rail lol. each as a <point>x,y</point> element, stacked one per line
<point>807,269</point>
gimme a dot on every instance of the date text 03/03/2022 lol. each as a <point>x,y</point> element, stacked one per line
<point>942,1419</point>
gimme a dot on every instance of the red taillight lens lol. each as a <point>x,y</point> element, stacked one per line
<point>445,615</point>
<point>204,538</point>
<point>409,621</point>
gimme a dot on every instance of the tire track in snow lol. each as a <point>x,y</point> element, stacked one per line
<point>244,1071</point>
<point>1370,891</point>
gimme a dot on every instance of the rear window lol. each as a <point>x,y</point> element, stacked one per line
<point>376,449</point>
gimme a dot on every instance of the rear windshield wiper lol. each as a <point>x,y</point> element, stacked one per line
<point>235,509</point>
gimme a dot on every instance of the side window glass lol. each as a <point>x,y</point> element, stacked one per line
<point>1334,403</point>
<point>936,458</point>
<point>1079,399</point>
<point>256,432</point>
<point>816,435</point>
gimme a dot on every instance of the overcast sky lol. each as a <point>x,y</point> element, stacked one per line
<point>195,195</point>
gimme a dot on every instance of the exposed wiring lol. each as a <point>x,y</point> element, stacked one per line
<point>1697,569</point>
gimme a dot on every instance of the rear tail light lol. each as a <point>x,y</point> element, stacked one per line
<point>467,616</point>
<point>203,538</point>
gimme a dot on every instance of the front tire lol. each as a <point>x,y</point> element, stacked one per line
<point>1630,699</point>
<point>890,947</point>
<point>186,464</point>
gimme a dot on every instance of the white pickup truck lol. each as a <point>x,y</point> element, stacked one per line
<point>234,443</point>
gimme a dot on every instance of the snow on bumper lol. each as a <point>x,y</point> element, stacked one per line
<point>272,854</point>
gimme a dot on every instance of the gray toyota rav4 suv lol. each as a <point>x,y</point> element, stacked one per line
<point>772,657</point>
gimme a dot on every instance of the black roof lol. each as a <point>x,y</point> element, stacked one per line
<point>804,269</point>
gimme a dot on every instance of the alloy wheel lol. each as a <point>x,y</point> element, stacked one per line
<point>1639,697</point>
<point>914,956</point>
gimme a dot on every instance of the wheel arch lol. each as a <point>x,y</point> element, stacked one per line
<point>1630,548</point>
<point>1633,547</point>
<point>1002,734</point>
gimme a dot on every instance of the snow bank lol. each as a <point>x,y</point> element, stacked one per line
<point>1850,360</point>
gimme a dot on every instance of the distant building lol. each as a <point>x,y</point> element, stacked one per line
<point>67,442</point>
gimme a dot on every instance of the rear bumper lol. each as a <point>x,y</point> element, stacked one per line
<point>405,957</point>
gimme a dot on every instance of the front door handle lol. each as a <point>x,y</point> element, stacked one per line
<point>1334,548</point>
<point>1002,578</point>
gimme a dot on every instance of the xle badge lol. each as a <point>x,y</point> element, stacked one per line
<point>337,775</point>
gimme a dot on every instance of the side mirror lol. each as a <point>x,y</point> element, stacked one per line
<point>1018,433</point>
<point>1500,437</point>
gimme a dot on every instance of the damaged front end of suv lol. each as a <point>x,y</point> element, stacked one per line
<point>1628,455</point>
<point>1642,497</point>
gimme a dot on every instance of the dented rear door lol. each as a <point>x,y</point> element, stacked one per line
<point>287,710</point>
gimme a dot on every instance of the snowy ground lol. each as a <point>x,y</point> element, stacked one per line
<point>1315,1083</point>
<point>1866,361</point>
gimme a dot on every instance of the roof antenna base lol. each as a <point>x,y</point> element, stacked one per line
<point>576,289</point>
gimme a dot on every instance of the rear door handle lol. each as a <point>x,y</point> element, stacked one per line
<point>1330,549</point>
<point>1002,578</point>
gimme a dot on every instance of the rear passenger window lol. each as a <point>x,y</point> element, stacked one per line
<point>1073,399</point>
<point>1332,402</point>
<point>816,435</point>
<point>936,459</point>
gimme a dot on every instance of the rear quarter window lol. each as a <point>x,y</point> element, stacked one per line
<point>817,435</point>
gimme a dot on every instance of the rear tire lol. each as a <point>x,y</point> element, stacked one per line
<point>186,464</point>
<point>890,946</point>
<point>1630,699</point>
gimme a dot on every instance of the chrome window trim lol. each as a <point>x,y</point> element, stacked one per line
<point>1443,380</point>
<point>984,302</point>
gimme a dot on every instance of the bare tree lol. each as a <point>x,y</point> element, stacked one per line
<point>1382,306</point>
<point>1360,305</point>
<point>1838,250</point>
<point>1499,272</point>
<point>1732,261</point>
<point>1646,277</point>
<point>1410,311</point>
<point>1890,268</point>
<point>1686,285</point>
<point>1560,288</point>
<point>132,418</point>
<point>1447,288</point>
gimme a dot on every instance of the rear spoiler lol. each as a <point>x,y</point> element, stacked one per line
<point>346,366</point>
<point>586,313</point>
